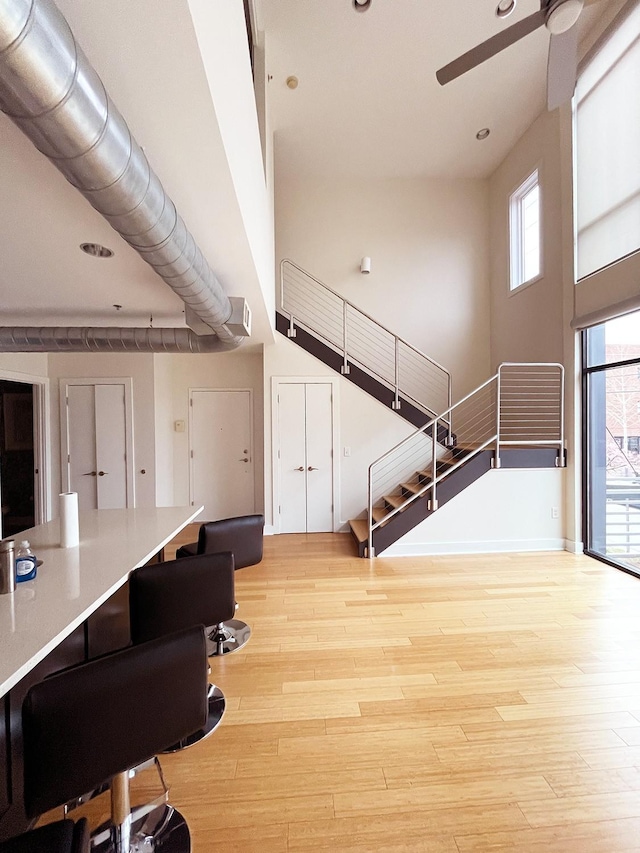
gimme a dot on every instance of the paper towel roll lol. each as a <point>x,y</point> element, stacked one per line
<point>69,527</point>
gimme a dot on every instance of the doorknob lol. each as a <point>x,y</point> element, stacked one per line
<point>245,459</point>
<point>311,468</point>
<point>89,474</point>
<point>301,468</point>
<point>102,473</point>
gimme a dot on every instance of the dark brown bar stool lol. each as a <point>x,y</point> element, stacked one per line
<point>243,536</point>
<point>92,723</point>
<point>165,597</point>
<point>63,836</point>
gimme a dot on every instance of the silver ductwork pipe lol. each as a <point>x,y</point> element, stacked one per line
<point>91,339</point>
<point>51,92</point>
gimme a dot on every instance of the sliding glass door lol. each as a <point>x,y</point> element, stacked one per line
<point>612,419</point>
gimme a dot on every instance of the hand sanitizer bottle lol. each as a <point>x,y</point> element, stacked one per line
<point>26,564</point>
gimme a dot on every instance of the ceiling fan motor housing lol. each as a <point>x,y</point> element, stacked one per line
<point>562,15</point>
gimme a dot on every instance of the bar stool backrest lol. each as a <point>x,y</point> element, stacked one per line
<point>166,597</point>
<point>84,725</point>
<point>242,535</point>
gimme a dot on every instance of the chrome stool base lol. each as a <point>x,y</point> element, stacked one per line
<point>160,829</point>
<point>227,637</point>
<point>214,718</point>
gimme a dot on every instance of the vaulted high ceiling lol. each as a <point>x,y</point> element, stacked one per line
<point>367,104</point>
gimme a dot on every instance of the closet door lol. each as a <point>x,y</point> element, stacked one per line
<point>319,457</point>
<point>97,445</point>
<point>305,457</point>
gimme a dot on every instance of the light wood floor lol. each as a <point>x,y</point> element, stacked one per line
<point>446,704</point>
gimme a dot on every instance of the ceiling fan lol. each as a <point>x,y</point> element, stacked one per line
<point>560,17</point>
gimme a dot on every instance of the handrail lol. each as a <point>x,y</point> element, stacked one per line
<point>521,404</point>
<point>360,339</point>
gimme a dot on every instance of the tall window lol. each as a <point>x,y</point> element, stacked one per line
<point>524,228</point>
<point>612,421</point>
<point>607,159</point>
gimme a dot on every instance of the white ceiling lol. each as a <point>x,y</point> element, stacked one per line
<point>147,55</point>
<point>367,104</point>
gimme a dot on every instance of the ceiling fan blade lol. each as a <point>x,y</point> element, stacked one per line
<point>562,67</point>
<point>490,47</point>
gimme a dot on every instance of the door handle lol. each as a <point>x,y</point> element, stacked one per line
<point>102,473</point>
<point>301,468</point>
<point>89,474</point>
<point>245,459</point>
<point>311,468</point>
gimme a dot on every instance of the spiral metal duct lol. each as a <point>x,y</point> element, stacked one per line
<point>51,92</point>
<point>108,339</point>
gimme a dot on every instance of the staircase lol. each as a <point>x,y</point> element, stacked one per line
<point>513,420</point>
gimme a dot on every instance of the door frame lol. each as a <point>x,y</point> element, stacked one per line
<point>41,441</point>
<point>65,473</point>
<point>251,436</point>
<point>276,488</point>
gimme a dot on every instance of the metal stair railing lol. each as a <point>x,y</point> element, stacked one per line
<point>522,404</point>
<point>360,339</point>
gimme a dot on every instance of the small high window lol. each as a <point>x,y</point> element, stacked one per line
<point>524,228</point>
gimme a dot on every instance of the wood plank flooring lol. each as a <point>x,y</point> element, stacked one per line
<point>445,704</point>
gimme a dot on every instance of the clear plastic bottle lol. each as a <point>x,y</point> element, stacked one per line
<point>26,564</point>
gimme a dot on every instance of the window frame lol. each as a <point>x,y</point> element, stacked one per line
<point>517,281</point>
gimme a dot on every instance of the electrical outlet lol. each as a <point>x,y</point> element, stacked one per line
<point>347,451</point>
<point>555,512</point>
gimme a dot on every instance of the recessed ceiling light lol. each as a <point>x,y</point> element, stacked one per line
<point>96,250</point>
<point>361,5</point>
<point>505,8</point>
<point>292,82</point>
<point>482,134</point>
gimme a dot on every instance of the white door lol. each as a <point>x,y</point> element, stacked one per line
<point>97,443</point>
<point>305,449</point>
<point>221,450</point>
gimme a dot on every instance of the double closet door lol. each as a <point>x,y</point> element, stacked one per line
<point>305,456</point>
<point>97,442</point>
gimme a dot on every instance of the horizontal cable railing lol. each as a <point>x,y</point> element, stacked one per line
<point>522,404</point>
<point>361,340</point>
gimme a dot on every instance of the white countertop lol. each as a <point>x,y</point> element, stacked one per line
<point>73,582</point>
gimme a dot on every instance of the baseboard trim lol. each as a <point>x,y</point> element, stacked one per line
<point>573,547</point>
<point>500,546</point>
<point>270,530</point>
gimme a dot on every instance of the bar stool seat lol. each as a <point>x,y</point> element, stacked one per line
<point>92,723</point>
<point>243,535</point>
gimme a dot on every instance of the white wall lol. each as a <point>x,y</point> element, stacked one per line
<point>527,325</point>
<point>163,405</point>
<point>429,244</point>
<point>505,510</point>
<point>220,28</point>
<point>31,363</point>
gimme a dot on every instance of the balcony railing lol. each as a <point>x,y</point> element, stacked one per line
<point>361,340</point>
<point>521,405</point>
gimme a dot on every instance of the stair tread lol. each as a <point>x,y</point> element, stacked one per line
<point>394,500</point>
<point>414,488</point>
<point>360,528</point>
<point>379,512</point>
